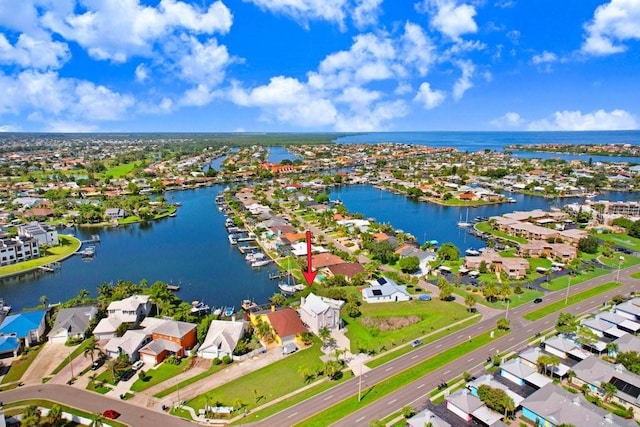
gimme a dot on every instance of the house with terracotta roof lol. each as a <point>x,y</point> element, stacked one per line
<point>325,259</point>
<point>169,337</point>
<point>346,269</point>
<point>287,326</point>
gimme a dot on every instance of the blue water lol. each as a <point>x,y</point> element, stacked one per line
<point>191,249</point>
<point>478,141</point>
<point>427,221</point>
<point>278,154</point>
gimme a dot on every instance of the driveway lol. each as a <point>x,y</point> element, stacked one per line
<point>47,360</point>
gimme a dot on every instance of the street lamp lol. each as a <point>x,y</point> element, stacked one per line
<point>566,297</point>
<point>620,260</point>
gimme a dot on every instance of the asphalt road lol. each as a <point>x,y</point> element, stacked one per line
<point>417,391</point>
<point>94,403</point>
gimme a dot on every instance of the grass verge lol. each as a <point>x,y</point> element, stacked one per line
<point>212,370</point>
<point>75,353</point>
<point>68,245</point>
<point>391,384</point>
<point>14,408</point>
<point>20,366</point>
<point>573,299</point>
<point>160,374</point>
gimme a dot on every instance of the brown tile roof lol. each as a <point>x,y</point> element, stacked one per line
<point>286,322</point>
<point>346,269</point>
<point>325,259</point>
<point>292,237</point>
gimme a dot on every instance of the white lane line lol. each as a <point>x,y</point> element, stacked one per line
<point>420,386</point>
<point>388,369</point>
<point>511,339</point>
<point>392,402</point>
<point>468,361</point>
<point>530,329</point>
<point>547,322</point>
<point>359,419</point>
<point>439,345</point>
<point>414,357</point>
<point>446,372</point>
<point>292,415</point>
<point>328,397</point>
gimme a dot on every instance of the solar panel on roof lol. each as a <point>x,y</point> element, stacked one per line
<point>382,280</point>
<point>625,387</point>
<point>376,292</point>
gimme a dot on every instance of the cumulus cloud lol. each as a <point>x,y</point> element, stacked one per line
<point>544,58</point>
<point>577,121</point>
<point>203,62</point>
<point>428,97</point>
<point>116,30</point>
<point>9,128</point>
<point>304,11</point>
<point>451,18</point>
<point>48,97</point>
<point>613,23</point>
<point>463,83</point>
<point>509,120</point>
<point>142,73</point>
<point>366,12</point>
<point>29,52</point>
<point>417,49</point>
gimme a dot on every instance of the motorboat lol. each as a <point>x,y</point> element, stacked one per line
<point>260,263</point>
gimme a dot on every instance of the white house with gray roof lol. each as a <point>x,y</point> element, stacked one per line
<point>318,312</point>
<point>629,309</point>
<point>552,406</point>
<point>385,290</point>
<point>71,323</point>
<point>222,339</point>
<point>132,309</point>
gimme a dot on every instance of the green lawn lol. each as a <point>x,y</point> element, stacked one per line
<point>621,239</point>
<point>19,366</point>
<point>485,227</point>
<point>526,296</point>
<point>17,407</point>
<point>212,370</point>
<point>265,384</point>
<point>614,262</point>
<point>636,275</point>
<point>573,299</point>
<point>68,245</point>
<point>159,374</point>
<point>121,170</point>
<point>432,315</point>
<point>371,394</point>
<point>561,282</point>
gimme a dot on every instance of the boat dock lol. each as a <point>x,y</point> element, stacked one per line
<point>94,239</point>
<point>51,267</point>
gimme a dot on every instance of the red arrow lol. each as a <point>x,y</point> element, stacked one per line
<point>309,275</point>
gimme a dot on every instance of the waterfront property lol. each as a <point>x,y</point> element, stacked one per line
<point>222,338</point>
<point>27,327</point>
<point>385,289</point>
<point>43,233</point>
<point>17,249</point>
<point>287,326</point>
<point>71,323</point>
<point>320,312</point>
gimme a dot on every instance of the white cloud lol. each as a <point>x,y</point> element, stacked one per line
<point>577,121</point>
<point>374,119</point>
<point>9,128</point>
<point>304,11</point>
<point>429,98</point>
<point>142,73</point>
<point>417,49</point>
<point>30,52</point>
<point>509,120</point>
<point>366,12</point>
<point>203,63</point>
<point>116,30</point>
<point>464,83</point>
<point>198,96</point>
<point>45,96</point>
<point>70,127</point>
<point>545,58</point>
<point>451,18</point>
<point>612,24</point>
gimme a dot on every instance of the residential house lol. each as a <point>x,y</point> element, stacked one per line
<point>114,214</point>
<point>222,339</point>
<point>106,328</point>
<point>551,406</point>
<point>18,249</point>
<point>9,345</point>
<point>285,323</point>
<point>521,373</point>
<point>169,337</point>
<point>565,348</point>
<point>345,269</point>
<point>27,327</point>
<point>132,309</point>
<point>385,290</point>
<point>469,407</point>
<point>602,328</point>
<point>44,234</point>
<point>628,343</point>
<point>128,344</point>
<point>490,381</point>
<point>319,312</point>
<point>71,323</point>
<point>514,268</point>
<point>629,309</point>
<point>426,417</point>
<point>621,322</point>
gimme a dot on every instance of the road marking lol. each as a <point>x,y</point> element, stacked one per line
<point>292,415</point>
<point>459,336</point>
<point>420,386</point>
<point>359,419</point>
<point>328,397</point>
<point>492,348</point>
<point>511,339</point>
<point>392,402</point>
<point>439,345</point>
<point>547,322</point>
<point>414,357</point>
<point>530,329</point>
<point>388,369</point>
<point>469,360</point>
<point>446,372</point>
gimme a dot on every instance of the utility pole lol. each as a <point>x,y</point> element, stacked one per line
<point>566,297</point>
<point>619,266</point>
<point>360,384</point>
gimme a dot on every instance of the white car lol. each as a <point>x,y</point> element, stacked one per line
<point>137,365</point>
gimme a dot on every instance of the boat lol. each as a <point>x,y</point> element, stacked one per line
<point>199,307</point>
<point>472,252</point>
<point>248,305</point>
<point>228,311</point>
<point>88,252</point>
<point>291,289</point>
<point>174,288</point>
<point>4,308</point>
<point>466,222</point>
<point>260,263</point>
<point>255,256</point>
<point>232,239</point>
<point>173,214</point>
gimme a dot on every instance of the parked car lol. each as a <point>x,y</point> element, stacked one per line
<point>289,348</point>
<point>96,364</point>
<point>126,375</point>
<point>416,343</point>
<point>112,414</point>
<point>137,365</point>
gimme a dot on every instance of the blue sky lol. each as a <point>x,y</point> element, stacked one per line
<point>318,65</point>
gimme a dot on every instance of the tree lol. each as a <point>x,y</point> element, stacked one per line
<point>30,416</point>
<point>630,360</point>
<point>609,390</point>
<point>612,348</point>
<point>496,399</point>
<point>55,415</point>
<point>97,420</point>
<point>586,336</point>
<point>44,300</point>
<point>567,323</point>
<point>445,292</point>
<point>409,264</point>
<point>634,230</point>
<point>332,368</point>
<point>324,333</point>
<point>448,252</point>
<point>470,302</point>
<point>278,299</point>
<point>503,323</point>
<point>588,245</point>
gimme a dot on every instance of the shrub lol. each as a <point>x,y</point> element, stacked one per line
<point>227,359</point>
<point>216,361</point>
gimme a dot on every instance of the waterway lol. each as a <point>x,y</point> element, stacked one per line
<point>190,249</point>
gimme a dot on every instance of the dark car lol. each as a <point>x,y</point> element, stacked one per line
<point>96,364</point>
<point>126,375</point>
<point>537,300</point>
<point>111,414</point>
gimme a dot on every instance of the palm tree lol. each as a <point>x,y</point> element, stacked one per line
<point>91,348</point>
<point>278,299</point>
<point>30,416</point>
<point>470,302</point>
<point>324,333</point>
<point>55,415</point>
<point>612,348</point>
<point>44,300</point>
<point>609,390</point>
<point>97,420</point>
